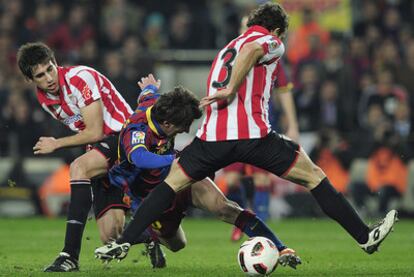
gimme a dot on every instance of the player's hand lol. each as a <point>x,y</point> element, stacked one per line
<point>149,80</point>
<point>45,145</point>
<point>221,95</point>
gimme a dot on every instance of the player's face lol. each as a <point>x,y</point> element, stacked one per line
<point>45,76</point>
<point>171,130</point>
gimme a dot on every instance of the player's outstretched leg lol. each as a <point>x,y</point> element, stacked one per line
<point>334,204</point>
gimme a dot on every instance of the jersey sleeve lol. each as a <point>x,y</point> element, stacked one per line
<point>85,88</point>
<point>273,48</point>
<point>135,137</point>
<point>147,97</point>
<point>282,82</point>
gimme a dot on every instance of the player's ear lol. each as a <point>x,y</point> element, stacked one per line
<point>28,80</point>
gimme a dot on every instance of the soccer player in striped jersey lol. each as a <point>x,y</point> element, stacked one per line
<point>85,101</point>
<point>258,195</point>
<point>236,129</point>
<point>146,152</point>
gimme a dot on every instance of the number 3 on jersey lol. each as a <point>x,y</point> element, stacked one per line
<point>231,52</point>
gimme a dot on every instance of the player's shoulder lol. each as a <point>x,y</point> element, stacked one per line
<point>77,73</point>
<point>137,120</point>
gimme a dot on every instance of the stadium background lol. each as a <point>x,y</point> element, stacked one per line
<point>351,65</point>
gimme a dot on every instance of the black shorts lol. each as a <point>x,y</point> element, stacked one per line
<point>168,223</point>
<point>274,153</point>
<point>108,147</point>
<point>106,197</point>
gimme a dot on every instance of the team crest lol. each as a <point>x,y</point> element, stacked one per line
<point>273,45</point>
<point>86,92</point>
<point>138,137</point>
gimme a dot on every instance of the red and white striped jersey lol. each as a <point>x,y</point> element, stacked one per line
<point>246,117</point>
<point>79,87</point>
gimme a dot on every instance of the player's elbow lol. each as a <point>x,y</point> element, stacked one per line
<point>95,135</point>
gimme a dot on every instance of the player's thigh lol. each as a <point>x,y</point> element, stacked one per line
<point>177,178</point>
<point>207,196</point>
<point>111,224</point>
<point>100,157</point>
<point>305,172</point>
<point>285,158</point>
<point>175,242</point>
<point>88,165</point>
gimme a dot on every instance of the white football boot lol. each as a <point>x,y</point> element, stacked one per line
<point>379,232</point>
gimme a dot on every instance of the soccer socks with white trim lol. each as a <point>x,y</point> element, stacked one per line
<point>338,208</point>
<point>80,204</point>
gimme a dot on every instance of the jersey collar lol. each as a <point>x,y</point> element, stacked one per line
<point>258,28</point>
<point>153,124</point>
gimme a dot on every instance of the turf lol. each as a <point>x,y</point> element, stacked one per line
<point>27,245</point>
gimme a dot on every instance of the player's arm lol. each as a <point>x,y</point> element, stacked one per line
<point>135,144</point>
<point>249,55</point>
<point>93,119</point>
<point>288,106</point>
<point>149,88</point>
<point>285,97</point>
<point>142,158</point>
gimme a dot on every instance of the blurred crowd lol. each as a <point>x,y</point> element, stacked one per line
<point>354,89</point>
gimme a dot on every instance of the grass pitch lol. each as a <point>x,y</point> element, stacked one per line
<point>27,245</point>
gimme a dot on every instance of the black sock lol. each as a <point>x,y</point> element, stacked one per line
<point>150,209</point>
<point>80,204</point>
<point>337,207</point>
<point>145,237</point>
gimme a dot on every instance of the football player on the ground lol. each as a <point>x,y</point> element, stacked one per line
<point>146,151</point>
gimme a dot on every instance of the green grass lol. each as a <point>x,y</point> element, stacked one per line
<point>27,245</point>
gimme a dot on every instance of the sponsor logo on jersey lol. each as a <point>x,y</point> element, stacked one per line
<point>72,119</point>
<point>138,137</point>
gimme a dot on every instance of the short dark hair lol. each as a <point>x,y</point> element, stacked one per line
<point>32,54</point>
<point>271,16</point>
<point>178,107</point>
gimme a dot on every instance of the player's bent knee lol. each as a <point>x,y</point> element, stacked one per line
<point>77,169</point>
<point>176,245</point>
<point>316,178</point>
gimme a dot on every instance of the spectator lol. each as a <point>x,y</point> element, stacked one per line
<point>308,40</point>
<point>307,98</point>
<point>181,32</point>
<point>69,37</point>
<point>332,153</point>
<point>386,179</point>
<point>155,38</point>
